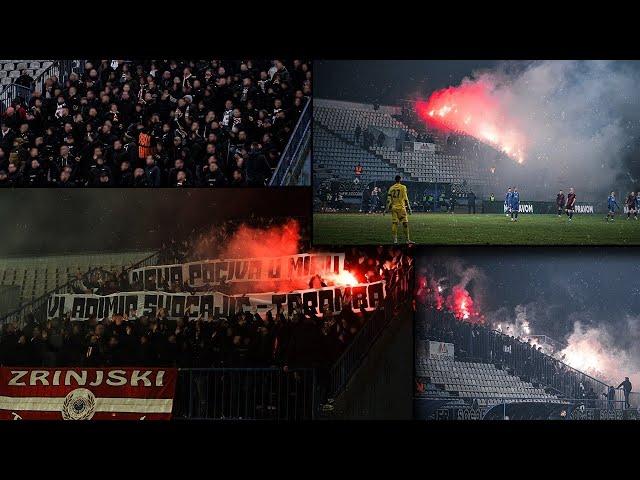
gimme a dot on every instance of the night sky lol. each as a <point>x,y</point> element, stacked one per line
<point>603,284</point>
<point>386,81</point>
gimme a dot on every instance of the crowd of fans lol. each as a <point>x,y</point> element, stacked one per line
<point>139,123</point>
<point>302,339</point>
<point>475,342</point>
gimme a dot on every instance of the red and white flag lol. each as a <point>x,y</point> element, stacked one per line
<point>87,393</point>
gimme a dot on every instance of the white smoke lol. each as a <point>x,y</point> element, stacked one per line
<point>602,353</point>
<point>606,350</point>
<point>580,119</point>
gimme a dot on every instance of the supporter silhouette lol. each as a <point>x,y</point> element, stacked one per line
<point>626,388</point>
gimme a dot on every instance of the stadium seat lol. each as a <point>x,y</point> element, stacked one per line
<point>342,118</point>
<point>481,382</point>
<point>37,276</point>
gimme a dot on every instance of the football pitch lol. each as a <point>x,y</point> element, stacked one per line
<point>480,229</point>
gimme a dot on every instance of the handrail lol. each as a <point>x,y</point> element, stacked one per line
<point>568,367</point>
<point>37,303</point>
<point>544,372</point>
<point>293,146</point>
<point>9,94</point>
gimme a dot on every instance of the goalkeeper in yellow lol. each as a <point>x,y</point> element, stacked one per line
<point>398,205</point>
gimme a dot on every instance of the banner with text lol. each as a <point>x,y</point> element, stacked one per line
<point>215,304</point>
<point>87,393</point>
<point>534,207</point>
<point>217,272</point>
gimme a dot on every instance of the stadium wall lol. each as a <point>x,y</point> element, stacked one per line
<point>381,388</point>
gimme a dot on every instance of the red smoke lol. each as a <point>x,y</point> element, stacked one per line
<point>273,241</point>
<point>474,110</point>
<point>458,301</point>
<point>460,304</point>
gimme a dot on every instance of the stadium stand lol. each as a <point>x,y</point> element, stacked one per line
<point>348,134</point>
<point>36,276</point>
<point>487,369</point>
<point>339,157</point>
<point>11,70</point>
<point>473,381</point>
<point>154,123</point>
<point>321,355</point>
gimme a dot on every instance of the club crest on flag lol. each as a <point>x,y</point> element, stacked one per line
<point>79,404</point>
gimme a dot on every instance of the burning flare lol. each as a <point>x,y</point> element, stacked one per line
<point>471,109</point>
<point>460,303</point>
<point>343,278</point>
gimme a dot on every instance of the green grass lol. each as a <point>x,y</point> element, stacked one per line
<point>482,229</point>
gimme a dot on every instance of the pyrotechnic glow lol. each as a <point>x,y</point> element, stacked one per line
<point>254,242</point>
<point>460,303</point>
<point>582,358</point>
<point>343,278</point>
<point>472,109</point>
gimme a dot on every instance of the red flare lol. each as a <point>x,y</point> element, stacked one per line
<point>461,304</point>
<point>472,109</point>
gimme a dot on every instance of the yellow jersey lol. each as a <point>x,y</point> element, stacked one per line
<point>397,196</point>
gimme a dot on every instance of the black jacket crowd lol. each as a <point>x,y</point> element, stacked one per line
<point>245,339</point>
<point>155,123</point>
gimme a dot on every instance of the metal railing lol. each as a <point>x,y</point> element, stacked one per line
<point>293,155</point>
<point>61,69</point>
<point>38,307</point>
<point>245,394</point>
<point>12,91</point>
<point>477,343</point>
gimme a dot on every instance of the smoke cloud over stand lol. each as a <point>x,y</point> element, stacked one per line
<point>563,123</point>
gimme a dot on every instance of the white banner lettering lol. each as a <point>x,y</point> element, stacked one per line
<point>214,304</point>
<point>217,272</point>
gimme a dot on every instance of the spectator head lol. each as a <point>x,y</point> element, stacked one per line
<point>237,175</point>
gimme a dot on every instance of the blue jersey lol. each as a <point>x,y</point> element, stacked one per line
<point>507,199</point>
<point>515,201</point>
<point>637,202</point>
<point>612,204</point>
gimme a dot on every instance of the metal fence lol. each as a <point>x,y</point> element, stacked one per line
<point>477,343</point>
<point>38,307</point>
<point>245,394</point>
<point>11,92</point>
<point>293,155</point>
